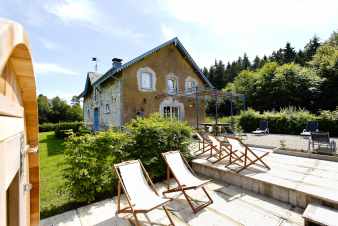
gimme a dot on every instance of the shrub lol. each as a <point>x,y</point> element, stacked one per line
<point>289,120</point>
<point>89,158</point>
<point>75,126</point>
<point>154,135</point>
<point>88,164</point>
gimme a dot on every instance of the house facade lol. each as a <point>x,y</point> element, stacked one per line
<point>164,80</point>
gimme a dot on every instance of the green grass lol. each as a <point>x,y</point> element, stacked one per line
<point>53,199</point>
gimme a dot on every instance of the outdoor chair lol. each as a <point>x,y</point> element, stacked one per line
<point>323,143</point>
<point>203,144</point>
<point>263,128</point>
<point>139,190</point>
<point>185,179</point>
<point>246,157</point>
<point>219,149</point>
<point>310,127</point>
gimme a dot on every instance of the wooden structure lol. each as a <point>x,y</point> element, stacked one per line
<point>185,179</point>
<point>19,167</point>
<point>246,157</point>
<point>141,197</point>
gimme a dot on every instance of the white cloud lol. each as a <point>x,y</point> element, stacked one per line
<point>167,32</point>
<point>49,44</point>
<point>74,10</point>
<point>46,68</point>
<point>246,15</point>
<point>87,14</point>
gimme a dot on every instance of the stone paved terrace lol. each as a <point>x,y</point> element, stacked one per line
<point>232,207</point>
<point>292,142</point>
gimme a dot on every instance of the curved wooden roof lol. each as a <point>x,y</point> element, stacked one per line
<point>15,50</point>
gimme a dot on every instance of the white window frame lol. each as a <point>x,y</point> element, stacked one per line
<point>145,71</point>
<point>146,81</point>
<point>172,90</point>
<point>190,89</point>
<point>170,114</point>
<point>107,109</point>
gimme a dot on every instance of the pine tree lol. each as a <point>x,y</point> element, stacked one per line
<point>300,58</point>
<point>256,63</point>
<point>246,64</point>
<point>219,78</point>
<point>311,48</point>
<point>289,54</point>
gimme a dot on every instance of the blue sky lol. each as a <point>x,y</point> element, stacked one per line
<point>66,34</point>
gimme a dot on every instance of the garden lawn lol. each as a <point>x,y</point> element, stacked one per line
<point>53,200</point>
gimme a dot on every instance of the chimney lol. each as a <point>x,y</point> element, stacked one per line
<point>116,63</point>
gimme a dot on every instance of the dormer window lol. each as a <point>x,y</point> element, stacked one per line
<point>172,86</point>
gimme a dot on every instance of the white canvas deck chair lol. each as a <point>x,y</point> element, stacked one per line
<point>246,157</point>
<point>140,191</point>
<point>185,179</point>
<point>220,149</point>
<point>203,144</point>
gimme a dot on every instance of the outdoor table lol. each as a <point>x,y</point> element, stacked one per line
<point>215,126</point>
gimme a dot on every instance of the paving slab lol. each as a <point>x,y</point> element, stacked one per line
<point>232,206</point>
<point>69,218</point>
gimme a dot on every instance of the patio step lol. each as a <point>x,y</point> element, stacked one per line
<point>293,180</point>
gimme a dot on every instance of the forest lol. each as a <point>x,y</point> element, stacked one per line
<point>305,78</point>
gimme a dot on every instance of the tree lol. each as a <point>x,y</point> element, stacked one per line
<point>289,54</point>
<point>246,64</point>
<point>219,78</point>
<point>311,48</point>
<point>43,108</point>
<point>58,110</point>
<point>75,100</point>
<point>256,63</point>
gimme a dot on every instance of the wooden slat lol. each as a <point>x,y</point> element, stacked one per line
<point>9,108</point>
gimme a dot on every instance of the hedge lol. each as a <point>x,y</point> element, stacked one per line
<point>89,158</point>
<point>45,127</point>
<point>288,121</point>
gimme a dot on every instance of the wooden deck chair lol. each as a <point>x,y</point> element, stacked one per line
<point>140,191</point>
<point>203,145</point>
<point>185,179</point>
<point>219,149</point>
<point>246,156</point>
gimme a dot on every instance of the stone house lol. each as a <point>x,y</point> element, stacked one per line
<point>164,79</point>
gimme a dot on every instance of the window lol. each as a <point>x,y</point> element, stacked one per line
<point>107,110</point>
<point>171,112</point>
<point>172,86</point>
<point>88,113</point>
<point>190,86</point>
<point>146,81</point>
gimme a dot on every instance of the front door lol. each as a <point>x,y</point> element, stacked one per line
<point>96,125</point>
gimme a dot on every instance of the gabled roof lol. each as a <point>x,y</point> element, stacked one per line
<point>91,78</point>
<point>114,71</point>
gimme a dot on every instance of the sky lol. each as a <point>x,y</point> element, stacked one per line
<point>66,34</point>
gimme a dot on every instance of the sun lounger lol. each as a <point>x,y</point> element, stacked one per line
<point>263,128</point>
<point>140,191</point>
<point>310,128</point>
<point>244,157</point>
<point>185,179</point>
